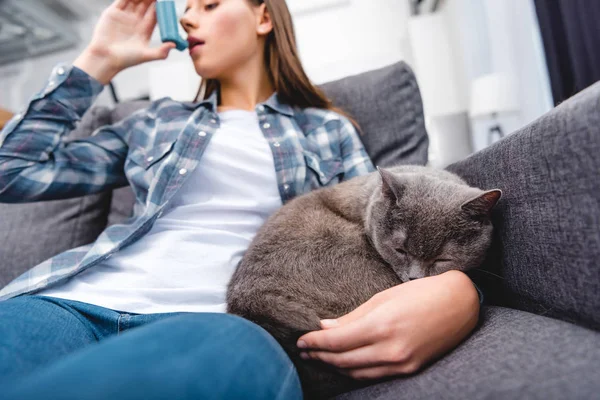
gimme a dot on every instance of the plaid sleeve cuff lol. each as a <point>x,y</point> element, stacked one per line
<point>69,83</point>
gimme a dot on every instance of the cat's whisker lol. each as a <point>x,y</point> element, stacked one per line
<point>488,272</point>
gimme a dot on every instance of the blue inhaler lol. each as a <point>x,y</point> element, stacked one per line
<point>166,15</point>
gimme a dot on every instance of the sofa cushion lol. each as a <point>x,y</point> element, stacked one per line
<point>387,105</point>
<point>544,257</point>
<point>512,355</point>
<point>33,232</point>
<point>385,102</point>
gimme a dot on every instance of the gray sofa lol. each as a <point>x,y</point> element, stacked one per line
<point>538,332</point>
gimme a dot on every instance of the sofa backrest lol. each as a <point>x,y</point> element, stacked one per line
<point>385,102</point>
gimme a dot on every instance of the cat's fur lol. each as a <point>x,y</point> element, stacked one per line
<point>326,252</point>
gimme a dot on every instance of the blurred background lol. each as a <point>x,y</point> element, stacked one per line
<point>485,67</point>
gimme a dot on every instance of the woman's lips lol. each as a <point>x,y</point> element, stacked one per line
<point>195,44</point>
<point>196,48</point>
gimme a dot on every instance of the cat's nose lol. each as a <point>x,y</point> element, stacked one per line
<point>414,271</point>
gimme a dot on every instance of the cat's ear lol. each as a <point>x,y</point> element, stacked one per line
<point>482,205</point>
<point>390,189</point>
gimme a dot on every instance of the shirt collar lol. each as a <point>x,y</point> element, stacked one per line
<point>272,102</point>
<point>210,103</point>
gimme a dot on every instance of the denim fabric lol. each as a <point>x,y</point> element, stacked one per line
<point>63,349</point>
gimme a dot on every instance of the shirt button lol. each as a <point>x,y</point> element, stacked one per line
<point>202,133</point>
<point>286,187</point>
<point>267,125</point>
<point>149,158</point>
<point>276,144</point>
<point>213,121</point>
<point>182,171</point>
<point>61,71</point>
<point>261,108</point>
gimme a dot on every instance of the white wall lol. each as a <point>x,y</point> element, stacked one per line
<point>356,36</point>
<point>501,36</point>
<point>336,38</point>
<point>513,26</point>
<point>19,81</point>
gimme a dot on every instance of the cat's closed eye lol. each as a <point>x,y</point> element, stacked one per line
<point>401,251</point>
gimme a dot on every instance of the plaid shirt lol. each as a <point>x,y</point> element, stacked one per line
<point>154,150</point>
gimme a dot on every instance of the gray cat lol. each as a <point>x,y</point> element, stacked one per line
<point>327,252</point>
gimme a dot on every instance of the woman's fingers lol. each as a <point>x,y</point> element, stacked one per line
<point>149,20</point>
<point>368,356</point>
<point>120,4</point>
<point>143,7</point>
<point>157,53</point>
<point>346,337</point>
<point>130,6</point>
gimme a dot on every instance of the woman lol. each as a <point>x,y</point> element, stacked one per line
<point>160,278</point>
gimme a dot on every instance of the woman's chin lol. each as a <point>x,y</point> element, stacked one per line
<point>205,72</point>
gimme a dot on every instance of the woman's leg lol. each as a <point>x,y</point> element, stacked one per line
<point>190,356</point>
<point>35,332</point>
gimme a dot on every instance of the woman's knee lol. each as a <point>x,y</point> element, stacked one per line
<point>232,355</point>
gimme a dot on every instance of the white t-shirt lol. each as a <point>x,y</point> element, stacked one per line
<point>186,260</point>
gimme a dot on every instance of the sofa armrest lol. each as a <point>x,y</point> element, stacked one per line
<point>546,251</point>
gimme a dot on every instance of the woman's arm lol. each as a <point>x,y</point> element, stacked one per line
<point>37,163</point>
<point>399,330</point>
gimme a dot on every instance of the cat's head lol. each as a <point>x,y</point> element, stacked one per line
<point>423,224</point>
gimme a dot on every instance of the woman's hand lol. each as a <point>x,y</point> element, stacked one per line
<point>399,330</point>
<point>121,40</point>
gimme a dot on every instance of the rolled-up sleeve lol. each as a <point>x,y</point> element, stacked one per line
<point>38,163</point>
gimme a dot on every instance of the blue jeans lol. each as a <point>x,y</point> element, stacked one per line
<point>63,349</point>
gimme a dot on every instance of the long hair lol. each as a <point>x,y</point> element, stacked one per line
<point>283,65</point>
